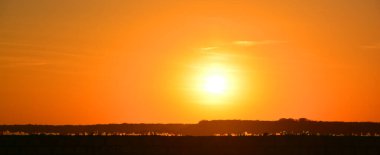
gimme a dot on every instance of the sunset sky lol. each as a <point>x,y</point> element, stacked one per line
<point>182,61</point>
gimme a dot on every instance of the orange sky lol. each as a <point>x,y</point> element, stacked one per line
<point>116,61</point>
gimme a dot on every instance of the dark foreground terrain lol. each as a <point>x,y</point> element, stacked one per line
<point>283,126</point>
<point>188,145</point>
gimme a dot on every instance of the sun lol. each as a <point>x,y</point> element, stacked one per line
<point>215,84</point>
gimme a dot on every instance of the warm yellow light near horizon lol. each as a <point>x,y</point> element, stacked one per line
<point>215,84</point>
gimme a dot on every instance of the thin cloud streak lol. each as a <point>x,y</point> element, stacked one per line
<point>32,63</point>
<point>256,43</point>
<point>20,62</point>
<point>40,49</point>
<point>373,46</point>
<point>209,48</point>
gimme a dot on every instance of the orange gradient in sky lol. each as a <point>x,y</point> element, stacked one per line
<point>98,61</point>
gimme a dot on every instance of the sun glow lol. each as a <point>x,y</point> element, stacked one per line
<point>215,84</point>
<point>216,79</point>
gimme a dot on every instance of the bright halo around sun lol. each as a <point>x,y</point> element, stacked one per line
<point>215,84</point>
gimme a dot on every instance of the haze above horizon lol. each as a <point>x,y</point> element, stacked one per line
<point>115,61</point>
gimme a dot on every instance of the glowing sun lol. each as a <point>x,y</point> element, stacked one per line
<point>215,84</point>
<point>215,81</point>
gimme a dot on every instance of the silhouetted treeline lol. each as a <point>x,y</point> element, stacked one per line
<point>215,127</point>
<point>189,145</point>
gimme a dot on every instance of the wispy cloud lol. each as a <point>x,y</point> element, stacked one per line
<point>209,48</point>
<point>14,54</point>
<point>256,43</point>
<point>372,46</point>
<point>20,62</point>
<point>42,49</point>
